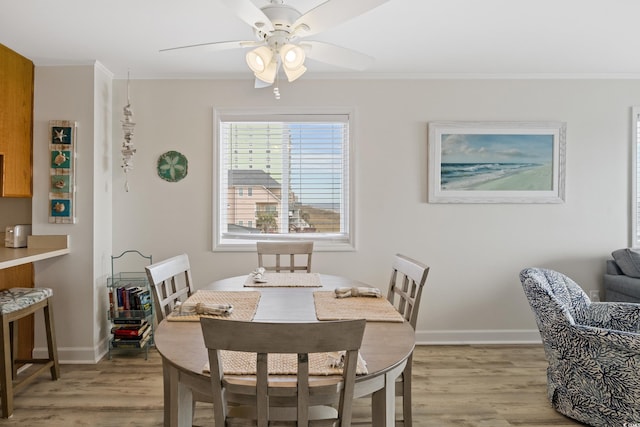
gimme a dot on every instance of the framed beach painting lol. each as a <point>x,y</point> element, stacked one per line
<point>496,162</point>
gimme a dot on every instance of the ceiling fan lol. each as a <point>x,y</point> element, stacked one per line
<point>280,32</point>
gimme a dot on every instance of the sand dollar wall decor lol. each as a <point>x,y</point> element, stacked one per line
<point>172,166</point>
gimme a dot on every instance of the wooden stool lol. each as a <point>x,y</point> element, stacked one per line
<point>15,304</point>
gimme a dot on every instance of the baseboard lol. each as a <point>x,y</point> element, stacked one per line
<point>91,355</point>
<point>498,336</point>
<point>76,355</point>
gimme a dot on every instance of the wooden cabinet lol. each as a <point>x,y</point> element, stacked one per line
<point>16,124</point>
<point>21,276</point>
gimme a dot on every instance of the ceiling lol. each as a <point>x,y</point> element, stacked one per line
<point>408,38</point>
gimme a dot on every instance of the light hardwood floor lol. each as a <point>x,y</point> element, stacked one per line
<point>461,386</point>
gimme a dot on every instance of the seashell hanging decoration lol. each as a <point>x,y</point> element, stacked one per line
<point>127,145</point>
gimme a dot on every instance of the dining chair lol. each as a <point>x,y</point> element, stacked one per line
<point>279,251</point>
<point>310,401</point>
<point>171,282</point>
<point>408,277</point>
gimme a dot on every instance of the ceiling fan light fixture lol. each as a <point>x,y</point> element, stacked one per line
<point>268,75</point>
<point>294,74</point>
<point>278,27</point>
<point>259,59</point>
<point>292,56</point>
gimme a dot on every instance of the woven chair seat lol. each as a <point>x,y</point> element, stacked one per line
<point>16,304</point>
<point>18,298</point>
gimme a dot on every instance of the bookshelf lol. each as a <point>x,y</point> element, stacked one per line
<point>130,304</point>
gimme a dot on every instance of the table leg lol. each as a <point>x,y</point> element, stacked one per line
<point>169,375</point>
<point>185,406</point>
<point>383,404</point>
<point>178,399</point>
<point>383,401</point>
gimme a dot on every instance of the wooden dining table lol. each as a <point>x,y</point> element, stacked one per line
<point>386,347</point>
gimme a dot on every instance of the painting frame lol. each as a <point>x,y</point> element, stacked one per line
<point>62,176</point>
<point>496,162</point>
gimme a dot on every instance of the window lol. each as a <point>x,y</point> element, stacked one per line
<point>297,169</point>
<point>635,181</point>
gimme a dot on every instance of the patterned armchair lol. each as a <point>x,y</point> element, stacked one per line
<point>593,350</point>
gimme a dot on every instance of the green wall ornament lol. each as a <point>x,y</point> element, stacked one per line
<point>172,166</point>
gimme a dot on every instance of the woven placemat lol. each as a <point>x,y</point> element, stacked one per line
<point>242,363</point>
<point>245,304</point>
<point>286,280</point>
<point>328,307</point>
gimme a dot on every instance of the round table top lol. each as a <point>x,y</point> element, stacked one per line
<point>385,345</point>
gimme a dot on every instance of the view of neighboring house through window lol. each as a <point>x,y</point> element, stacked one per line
<point>282,176</point>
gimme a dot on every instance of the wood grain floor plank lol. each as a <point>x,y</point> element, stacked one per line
<point>454,386</point>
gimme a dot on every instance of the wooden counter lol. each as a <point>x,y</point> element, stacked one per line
<point>16,270</point>
<point>38,248</point>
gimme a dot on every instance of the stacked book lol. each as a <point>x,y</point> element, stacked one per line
<point>130,333</point>
<point>129,298</point>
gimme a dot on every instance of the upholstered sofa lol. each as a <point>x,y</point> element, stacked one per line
<point>622,276</point>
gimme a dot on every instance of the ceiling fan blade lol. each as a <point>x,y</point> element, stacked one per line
<point>259,84</point>
<point>332,13</point>
<point>336,55</point>
<point>250,13</point>
<point>215,46</point>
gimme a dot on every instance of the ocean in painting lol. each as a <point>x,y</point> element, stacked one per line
<point>478,176</point>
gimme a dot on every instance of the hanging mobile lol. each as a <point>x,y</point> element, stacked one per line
<point>127,145</point>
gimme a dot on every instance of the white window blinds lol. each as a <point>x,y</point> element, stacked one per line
<point>635,181</point>
<point>296,169</point>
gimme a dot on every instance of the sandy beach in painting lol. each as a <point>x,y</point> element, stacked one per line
<point>534,179</point>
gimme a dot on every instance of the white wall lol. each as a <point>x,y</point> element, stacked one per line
<point>82,94</point>
<point>101,192</point>
<point>473,292</point>
<point>475,251</point>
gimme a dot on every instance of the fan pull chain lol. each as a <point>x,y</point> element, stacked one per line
<point>276,90</point>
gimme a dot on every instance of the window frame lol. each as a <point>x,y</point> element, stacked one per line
<point>634,239</point>
<point>321,243</point>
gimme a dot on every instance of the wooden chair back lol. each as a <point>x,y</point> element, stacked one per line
<point>278,252</point>
<point>408,277</point>
<point>305,403</point>
<point>171,282</point>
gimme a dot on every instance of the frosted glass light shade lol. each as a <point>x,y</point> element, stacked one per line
<point>294,74</point>
<point>269,73</point>
<point>292,56</point>
<point>259,59</point>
